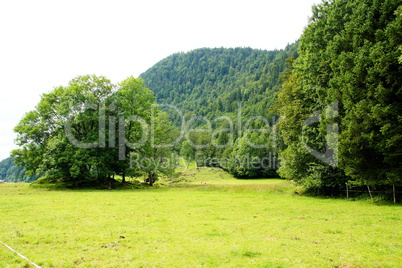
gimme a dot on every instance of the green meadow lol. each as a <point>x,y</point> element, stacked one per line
<point>261,224</point>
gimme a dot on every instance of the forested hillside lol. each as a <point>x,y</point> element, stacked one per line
<point>210,82</point>
<point>237,85</point>
<point>10,172</point>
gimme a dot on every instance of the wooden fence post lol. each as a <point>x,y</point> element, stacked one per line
<point>371,196</point>
<point>393,191</point>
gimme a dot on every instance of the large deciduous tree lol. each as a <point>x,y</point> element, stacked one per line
<point>85,132</point>
<point>60,137</point>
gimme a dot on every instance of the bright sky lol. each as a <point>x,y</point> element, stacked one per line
<point>44,44</point>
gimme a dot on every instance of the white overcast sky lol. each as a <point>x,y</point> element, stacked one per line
<point>44,44</point>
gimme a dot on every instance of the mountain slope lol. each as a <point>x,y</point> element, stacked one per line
<point>211,82</point>
<point>208,83</point>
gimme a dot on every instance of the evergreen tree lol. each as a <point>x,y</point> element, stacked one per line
<point>348,58</point>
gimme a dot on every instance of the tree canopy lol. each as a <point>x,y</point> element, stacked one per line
<point>349,59</point>
<point>86,132</point>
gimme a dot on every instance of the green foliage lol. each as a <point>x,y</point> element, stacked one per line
<point>212,82</point>
<point>159,151</point>
<point>85,132</point>
<point>65,116</point>
<point>252,156</point>
<point>10,172</point>
<point>349,56</point>
<point>187,151</point>
<point>228,87</point>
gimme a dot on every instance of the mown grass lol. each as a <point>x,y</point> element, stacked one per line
<point>195,226</point>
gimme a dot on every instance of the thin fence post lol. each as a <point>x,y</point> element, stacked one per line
<point>371,196</point>
<point>393,191</point>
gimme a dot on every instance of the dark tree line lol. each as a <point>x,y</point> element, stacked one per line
<point>349,69</point>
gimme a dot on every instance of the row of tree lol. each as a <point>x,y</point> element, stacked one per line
<point>343,96</point>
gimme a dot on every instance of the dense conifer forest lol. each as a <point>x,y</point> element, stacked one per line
<point>211,82</point>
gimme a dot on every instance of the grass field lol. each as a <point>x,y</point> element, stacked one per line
<point>190,174</point>
<point>260,225</point>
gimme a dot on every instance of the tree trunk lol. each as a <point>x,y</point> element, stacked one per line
<point>151,178</point>
<point>109,181</point>
<point>347,191</point>
<point>123,178</point>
